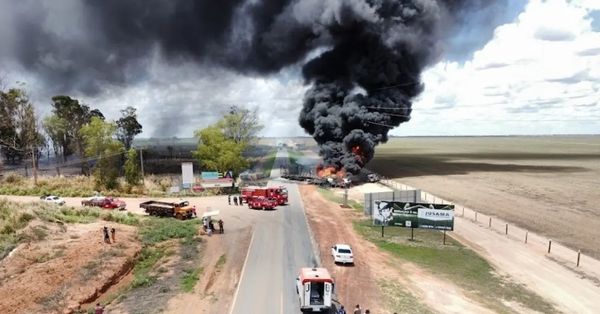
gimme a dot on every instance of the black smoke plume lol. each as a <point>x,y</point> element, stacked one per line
<point>362,58</point>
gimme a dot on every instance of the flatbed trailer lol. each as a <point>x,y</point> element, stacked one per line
<point>179,210</point>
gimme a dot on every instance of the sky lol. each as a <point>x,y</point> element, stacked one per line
<point>528,67</point>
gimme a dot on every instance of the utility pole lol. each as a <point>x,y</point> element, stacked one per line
<point>142,164</point>
<point>34,169</point>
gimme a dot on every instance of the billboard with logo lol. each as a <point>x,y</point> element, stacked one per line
<point>413,215</point>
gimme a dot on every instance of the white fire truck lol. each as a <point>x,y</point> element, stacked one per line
<point>315,289</point>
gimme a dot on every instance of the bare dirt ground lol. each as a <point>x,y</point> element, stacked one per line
<point>71,263</point>
<point>548,185</point>
<point>359,283</point>
<point>49,280</point>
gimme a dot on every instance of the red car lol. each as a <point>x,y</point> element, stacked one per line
<point>104,202</point>
<point>260,202</point>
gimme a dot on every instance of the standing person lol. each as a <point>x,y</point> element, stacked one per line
<point>112,234</point>
<point>235,200</point>
<point>229,199</point>
<point>357,309</point>
<point>194,211</point>
<point>241,200</point>
<point>341,310</point>
<point>221,230</point>
<point>211,225</point>
<point>106,237</point>
<point>99,309</point>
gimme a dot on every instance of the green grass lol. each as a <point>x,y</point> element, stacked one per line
<point>146,261</point>
<point>336,198</point>
<point>190,278</point>
<point>401,300</point>
<point>154,230</point>
<point>455,263</point>
<point>221,262</point>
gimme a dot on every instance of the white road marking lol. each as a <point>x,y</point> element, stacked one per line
<point>237,290</point>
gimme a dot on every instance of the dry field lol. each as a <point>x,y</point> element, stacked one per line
<point>550,184</point>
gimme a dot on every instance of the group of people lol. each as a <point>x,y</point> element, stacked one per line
<point>237,200</point>
<point>209,227</point>
<point>107,237</point>
<point>357,310</point>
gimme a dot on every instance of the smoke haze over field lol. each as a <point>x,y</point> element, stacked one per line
<point>362,58</point>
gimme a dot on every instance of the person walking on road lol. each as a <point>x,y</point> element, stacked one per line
<point>341,310</point>
<point>221,230</point>
<point>357,309</point>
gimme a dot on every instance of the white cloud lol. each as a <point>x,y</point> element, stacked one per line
<point>538,75</point>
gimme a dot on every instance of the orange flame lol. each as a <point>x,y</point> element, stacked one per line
<point>330,171</point>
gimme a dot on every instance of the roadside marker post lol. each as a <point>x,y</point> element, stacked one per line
<point>506,231</point>
<point>412,234</point>
<point>526,234</point>
<point>475,216</point>
<point>382,230</point>
<point>549,245</point>
<point>578,257</point>
<point>463,212</point>
<point>490,223</point>
<point>445,243</point>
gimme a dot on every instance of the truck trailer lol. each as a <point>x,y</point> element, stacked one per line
<point>179,210</point>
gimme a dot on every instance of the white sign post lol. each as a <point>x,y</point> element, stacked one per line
<point>187,174</point>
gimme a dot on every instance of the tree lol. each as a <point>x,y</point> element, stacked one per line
<point>100,143</point>
<point>240,125</point>
<point>128,126</point>
<point>132,168</point>
<point>76,116</point>
<point>217,152</point>
<point>56,129</point>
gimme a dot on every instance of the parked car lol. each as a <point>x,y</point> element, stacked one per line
<point>104,202</point>
<point>342,253</point>
<point>53,199</point>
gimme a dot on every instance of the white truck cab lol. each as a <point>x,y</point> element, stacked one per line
<point>315,289</point>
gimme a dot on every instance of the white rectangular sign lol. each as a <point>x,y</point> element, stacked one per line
<point>187,173</point>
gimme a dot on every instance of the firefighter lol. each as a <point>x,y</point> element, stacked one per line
<point>235,200</point>
<point>106,237</point>
<point>241,200</point>
<point>221,230</point>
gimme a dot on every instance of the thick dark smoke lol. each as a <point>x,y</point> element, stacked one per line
<point>364,70</point>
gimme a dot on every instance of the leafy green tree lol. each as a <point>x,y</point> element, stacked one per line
<point>128,126</point>
<point>132,168</point>
<point>100,143</point>
<point>76,116</point>
<point>240,125</point>
<point>217,152</point>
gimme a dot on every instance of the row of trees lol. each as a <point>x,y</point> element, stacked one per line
<point>73,129</point>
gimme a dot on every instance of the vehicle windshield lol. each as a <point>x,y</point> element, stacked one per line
<point>344,251</point>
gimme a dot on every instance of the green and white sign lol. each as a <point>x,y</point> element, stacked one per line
<point>413,215</point>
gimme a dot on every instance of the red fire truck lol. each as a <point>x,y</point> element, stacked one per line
<point>279,193</point>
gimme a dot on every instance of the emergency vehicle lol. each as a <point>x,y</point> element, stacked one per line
<point>315,289</point>
<point>280,193</point>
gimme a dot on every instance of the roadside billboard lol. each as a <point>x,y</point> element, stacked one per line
<point>187,174</point>
<point>209,175</point>
<point>413,215</point>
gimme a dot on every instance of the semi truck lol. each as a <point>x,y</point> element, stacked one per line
<point>315,289</point>
<point>180,210</point>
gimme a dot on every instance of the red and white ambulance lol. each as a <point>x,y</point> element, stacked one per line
<point>315,289</point>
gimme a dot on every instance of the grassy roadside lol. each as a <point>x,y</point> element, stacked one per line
<point>453,261</point>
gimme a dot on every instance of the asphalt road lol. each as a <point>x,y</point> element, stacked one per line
<point>280,246</point>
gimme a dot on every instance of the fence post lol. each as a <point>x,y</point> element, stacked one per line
<point>490,223</point>
<point>382,231</point>
<point>549,245</point>
<point>526,234</point>
<point>506,231</point>
<point>578,257</point>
